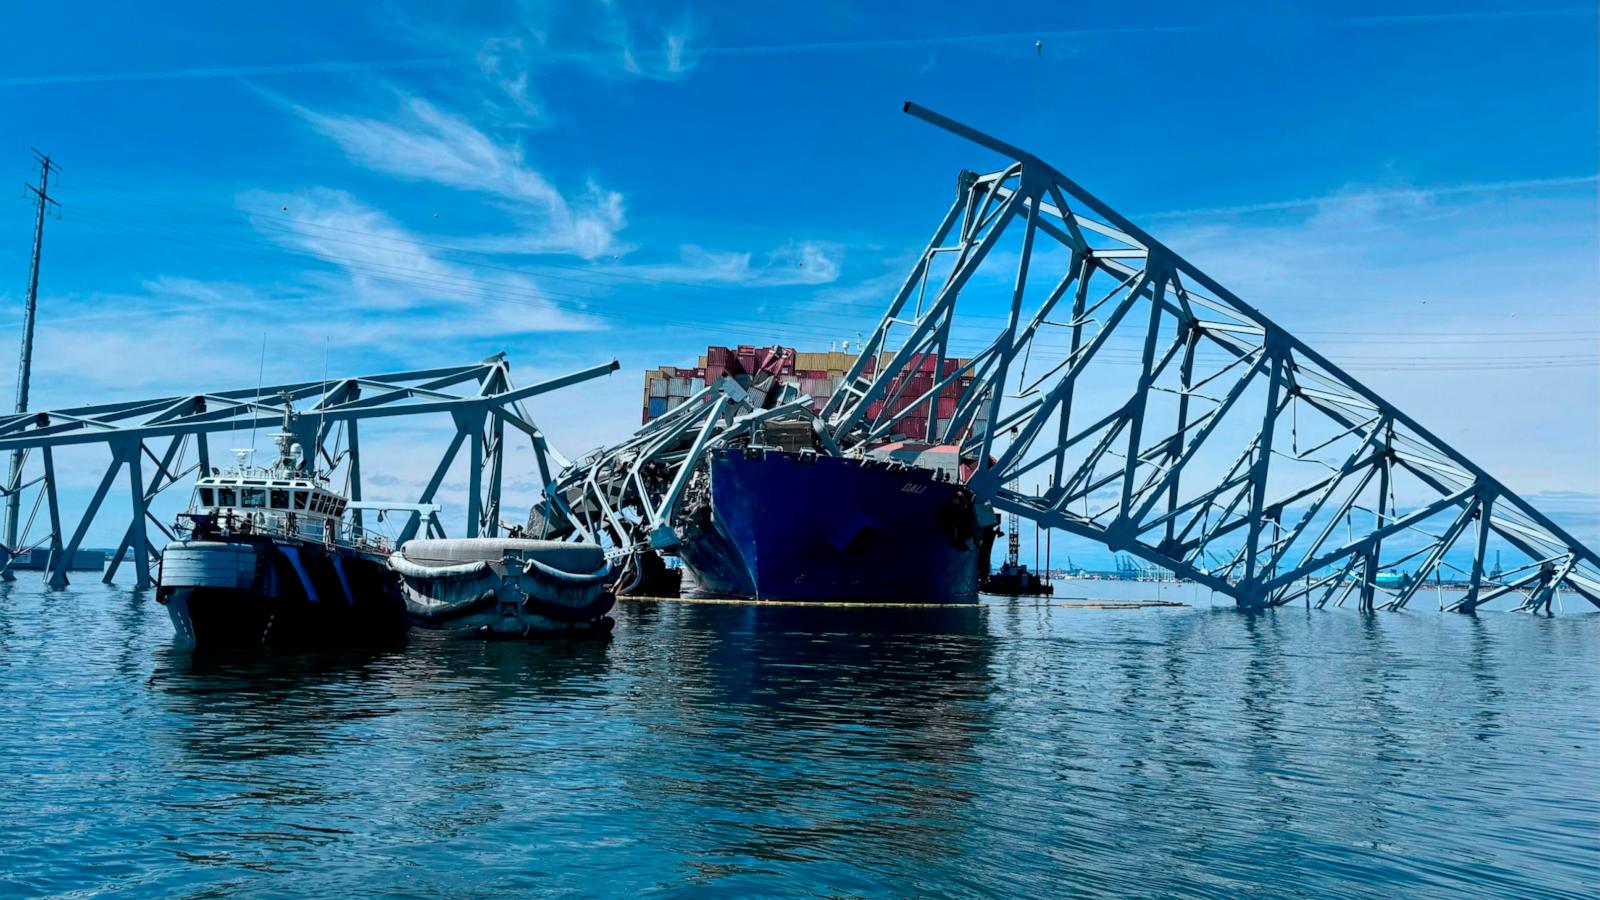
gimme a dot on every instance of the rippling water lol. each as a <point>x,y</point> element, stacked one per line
<point>1014,748</point>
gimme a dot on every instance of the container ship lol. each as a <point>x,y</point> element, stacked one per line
<point>772,518</point>
<point>771,524</point>
<point>816,375</point>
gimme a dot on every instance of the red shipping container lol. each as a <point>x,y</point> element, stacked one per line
<point>713,373</point>
<point>875,409</point>
<point>717,356</point>
<point>950,365</point>
<point>947,407</point>
<point>747,350</point>
<point>929,364</point>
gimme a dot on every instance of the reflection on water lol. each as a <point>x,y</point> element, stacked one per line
<point>1016,748</point>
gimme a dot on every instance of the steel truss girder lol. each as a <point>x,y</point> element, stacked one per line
<point>480,398</point>
<point>629,496</point>
<point>1236,519</point>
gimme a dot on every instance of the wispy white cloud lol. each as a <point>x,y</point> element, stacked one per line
<point>1331,203</point>
<point>389,269</point>
<point>426,143</point>
<point>672,53</point>
<point>671,56</point>
<point>794,263</point>
<point>1476,316</point>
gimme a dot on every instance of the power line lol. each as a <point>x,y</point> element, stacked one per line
<point>294,226</point>
<point>256,245</point>
<point>260,248</point>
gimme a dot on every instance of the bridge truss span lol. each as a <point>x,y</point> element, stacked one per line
<point>1164,417</point>
<point>157,443</point>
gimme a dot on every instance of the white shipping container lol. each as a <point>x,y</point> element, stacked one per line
<point>658,387</point>
<point>674,402</point>
<point>679,387</point>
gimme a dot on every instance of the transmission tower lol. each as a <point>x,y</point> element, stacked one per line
<point>42,202</point>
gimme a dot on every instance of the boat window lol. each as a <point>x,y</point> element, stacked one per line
<point>280,499</point>
<point>205,497</point>
<point>254,498</point>
<point>225,497</point>
<point>299,499</point>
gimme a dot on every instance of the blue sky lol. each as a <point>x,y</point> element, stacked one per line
<point>1412,188</point>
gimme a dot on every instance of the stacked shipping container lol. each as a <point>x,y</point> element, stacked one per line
<point>818,374</point>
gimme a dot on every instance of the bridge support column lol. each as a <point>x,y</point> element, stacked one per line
<point>496,463</point>
<point>57,576</point>
<point>439,473</point>
<point>139,538</point>
<point>354,454</point>
<point>53,504</point>
<point>472,424</point>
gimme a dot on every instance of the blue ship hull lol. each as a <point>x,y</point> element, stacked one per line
<point>798,527</point>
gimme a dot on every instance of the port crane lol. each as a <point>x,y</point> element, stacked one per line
<point>1172,421</point>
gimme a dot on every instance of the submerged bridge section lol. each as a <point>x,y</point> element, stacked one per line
<point>1165,417</point>
<point>154,444</point>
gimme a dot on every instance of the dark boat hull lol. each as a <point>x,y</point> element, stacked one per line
<point>257,591</point>
<point>803,527</point>
<point>1017,584</point>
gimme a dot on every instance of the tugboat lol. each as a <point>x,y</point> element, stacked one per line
<point>1013,578</point>
<point>266,558</point>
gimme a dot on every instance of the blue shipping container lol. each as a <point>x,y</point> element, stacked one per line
<point>658,406</point>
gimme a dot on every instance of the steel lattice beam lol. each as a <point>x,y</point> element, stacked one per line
<point>1231,456</point>
<point>480,398</point>
<point>1215,380</point>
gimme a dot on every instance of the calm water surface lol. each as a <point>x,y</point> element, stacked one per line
<point>1010,749</point>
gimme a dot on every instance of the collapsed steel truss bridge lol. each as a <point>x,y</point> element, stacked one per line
<point>1156,412</point>
<point>151,443</point>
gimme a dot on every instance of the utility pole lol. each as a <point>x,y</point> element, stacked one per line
<point>42,202</point>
